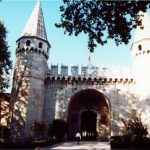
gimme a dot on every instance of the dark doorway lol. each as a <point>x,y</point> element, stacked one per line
<point>88,125</point>
<point>89,113</point>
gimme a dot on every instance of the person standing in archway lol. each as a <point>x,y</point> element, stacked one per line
<point>78,137</point>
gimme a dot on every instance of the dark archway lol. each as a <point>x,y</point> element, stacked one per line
<point>88,125</point>
<point>82,106</point>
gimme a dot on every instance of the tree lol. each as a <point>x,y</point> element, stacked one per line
<point>101,20</point>
<point>134,128</point>
<point>5,62</point>
<point>4,108</point>
<point>58,128</point>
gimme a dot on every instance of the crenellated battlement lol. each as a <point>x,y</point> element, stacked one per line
<point>90,72</point>
<point>92,81</point>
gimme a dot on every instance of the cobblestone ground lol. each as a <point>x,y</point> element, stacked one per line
<point>82,146</point>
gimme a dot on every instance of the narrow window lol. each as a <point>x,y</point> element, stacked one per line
<point>40,45</point>
<point>28,43</point>
<point>140,47</point>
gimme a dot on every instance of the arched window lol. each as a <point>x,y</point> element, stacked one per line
<point>140,47</point>
<point>40,45</point>
<point>28,43</point>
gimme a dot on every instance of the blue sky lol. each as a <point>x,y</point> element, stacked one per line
<point>67,50</point>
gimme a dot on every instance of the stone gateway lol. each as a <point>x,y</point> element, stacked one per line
<point>93,100</point>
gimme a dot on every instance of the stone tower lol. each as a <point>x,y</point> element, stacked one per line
<point>141,49</point>
<point>141,56</point>
<point>141,62</point>
<point>31,68</point>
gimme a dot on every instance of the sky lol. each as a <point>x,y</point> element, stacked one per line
<point>67,50</point>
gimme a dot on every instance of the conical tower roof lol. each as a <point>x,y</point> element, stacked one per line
<point>35,25</point>
<point>143,31</point>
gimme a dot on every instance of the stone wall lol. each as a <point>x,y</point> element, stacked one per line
<point>120,94</point>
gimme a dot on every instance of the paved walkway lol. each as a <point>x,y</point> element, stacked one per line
<point>82,146</point>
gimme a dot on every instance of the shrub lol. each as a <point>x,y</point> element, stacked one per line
<point>120,142</point>
<point>134,135</point>
<point>38,131</point>
<point>58,128</point>
<point>134,128</point>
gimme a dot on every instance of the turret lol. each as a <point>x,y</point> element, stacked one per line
<point>141,50</point>
<point>141,62</point>
<point>31,68</point>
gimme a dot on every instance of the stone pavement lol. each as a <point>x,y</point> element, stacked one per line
<point>91,145</point>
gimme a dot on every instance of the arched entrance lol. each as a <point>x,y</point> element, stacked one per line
<point>88,125</point>
<point>89,114</point>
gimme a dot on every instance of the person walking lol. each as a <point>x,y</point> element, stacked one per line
<point>78,137</point>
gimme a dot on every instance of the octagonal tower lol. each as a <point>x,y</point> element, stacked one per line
<point>31,68</point>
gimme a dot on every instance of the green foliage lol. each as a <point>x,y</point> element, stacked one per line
<point>134,135</point>
<point>5,62</point>
<point>134,128</point>
<point>38,131</point>
<point>58,128</point>
<point>101,20</point>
